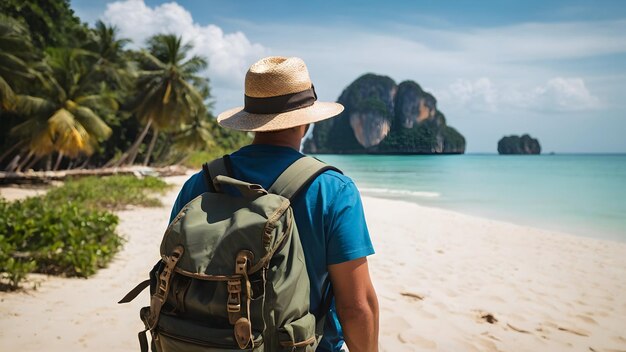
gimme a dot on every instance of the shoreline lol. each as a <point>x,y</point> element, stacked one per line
<point>519,221</point>
<point>445,280</point>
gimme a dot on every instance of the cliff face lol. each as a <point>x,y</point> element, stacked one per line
<point>519,145</point>
<point>413,105</point>
<point>382,117</point>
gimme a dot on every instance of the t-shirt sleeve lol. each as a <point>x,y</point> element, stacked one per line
<point>193,187</point>
<point>348,237</point>
<point>178,206</point>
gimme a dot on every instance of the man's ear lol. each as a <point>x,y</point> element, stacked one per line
<point>306,129</point>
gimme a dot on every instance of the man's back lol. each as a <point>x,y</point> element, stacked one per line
<point>329,217</point>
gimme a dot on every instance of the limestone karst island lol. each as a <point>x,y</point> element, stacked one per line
<point>381,117</point>
<point>519,145</point>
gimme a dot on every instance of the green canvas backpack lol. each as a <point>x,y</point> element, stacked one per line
<point>232,275</point>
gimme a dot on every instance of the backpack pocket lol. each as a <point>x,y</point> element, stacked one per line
<point>174,334</point>
<point>298,335</point>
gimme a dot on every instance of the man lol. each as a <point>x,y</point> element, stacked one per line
<point>280,103</point>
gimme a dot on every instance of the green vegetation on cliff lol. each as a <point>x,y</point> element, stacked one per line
<point>417,139</point>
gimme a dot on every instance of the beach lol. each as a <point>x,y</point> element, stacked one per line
<point>445,282</point>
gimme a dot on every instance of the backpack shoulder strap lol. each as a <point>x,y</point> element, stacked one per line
<point>219,166</point>
<point>298,175</point>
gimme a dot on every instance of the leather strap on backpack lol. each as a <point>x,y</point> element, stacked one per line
<point>298,175</point>
<point>219,166</point>
<point>162,290</point>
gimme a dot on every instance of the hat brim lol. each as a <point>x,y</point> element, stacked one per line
<point>240,120</point>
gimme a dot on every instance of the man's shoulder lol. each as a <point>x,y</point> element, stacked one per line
<point>334,177</point>
<point>193,186</point>
<point>195,181</point>
<point>331,183</point>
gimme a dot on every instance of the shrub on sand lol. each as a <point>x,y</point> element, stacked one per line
<point>112,192</point>
<point>70,230</point>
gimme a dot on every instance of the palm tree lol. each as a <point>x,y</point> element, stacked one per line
<point>16,52</point>
<point>112,65</point>
<point>169,91</point>
<point>67,120</point>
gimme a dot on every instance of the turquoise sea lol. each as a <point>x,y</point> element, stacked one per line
<point>579,194</point>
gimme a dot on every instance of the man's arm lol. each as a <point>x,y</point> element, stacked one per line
<point>356,303</point>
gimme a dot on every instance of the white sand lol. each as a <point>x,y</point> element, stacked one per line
<point>547,291</point>
<point>15,192</point>
<point>439,275</point>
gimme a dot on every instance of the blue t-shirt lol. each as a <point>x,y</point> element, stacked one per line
<point>329,216</point>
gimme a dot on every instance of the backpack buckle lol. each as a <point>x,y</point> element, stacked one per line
<point>233,307</point>
<point>160,296</point>
<point>234,296</point>
<point>233,304</point>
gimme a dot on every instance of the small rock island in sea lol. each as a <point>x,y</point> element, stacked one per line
<point>519,145</point>
<point>381,117</point>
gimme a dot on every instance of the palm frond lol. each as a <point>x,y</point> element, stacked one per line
<point>194,137</point>
<point>194,65</point>
<point>69,136</point>
<point>95,101</point>
<point>30,106</point>
<point>7,96</point>
<point>35,131</point>
<point>92,123</point>
<point>151,62</point>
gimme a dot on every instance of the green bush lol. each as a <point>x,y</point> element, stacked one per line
<point>112,192</point>
<point>68,231</point>
<point>41,235</point>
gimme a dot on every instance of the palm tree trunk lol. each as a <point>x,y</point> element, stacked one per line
<point>155,135</point>
<point>13,163</point>
<point>58,162</point>
<point>11,150</point>
<point>33,162</point>
<point>133,156</point>
<point>24,162</point>
<point>133,148</point>
<point>82,166</point>
<point>182,160</point>
<point>160,153</point>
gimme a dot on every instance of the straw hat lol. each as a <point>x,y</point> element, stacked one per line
<point>278,95</point>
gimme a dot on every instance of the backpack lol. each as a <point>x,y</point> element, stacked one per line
<point>233,274</point>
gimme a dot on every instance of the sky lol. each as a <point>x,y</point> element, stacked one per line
<point>553,69</point>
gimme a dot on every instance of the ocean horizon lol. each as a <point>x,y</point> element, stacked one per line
<point>578,193</point>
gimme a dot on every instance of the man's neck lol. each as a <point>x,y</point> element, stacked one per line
<point>284,138</point>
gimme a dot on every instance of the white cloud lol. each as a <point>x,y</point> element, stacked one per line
<point>483,95</point>
<point>229,54</point>
<point>565,94</point>
<point>479,95</point>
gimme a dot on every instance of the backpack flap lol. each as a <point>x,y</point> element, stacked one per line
<point>249,190</point>
<point>219,166</point>
<point>215,227</point>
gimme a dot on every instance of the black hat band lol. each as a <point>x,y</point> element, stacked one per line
<point>281,103</point>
